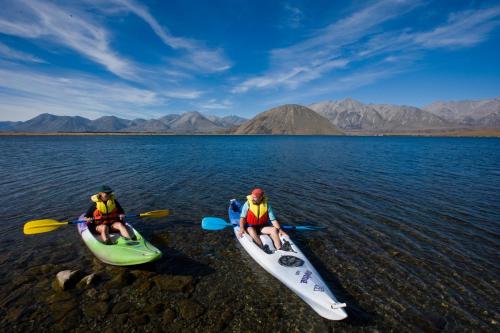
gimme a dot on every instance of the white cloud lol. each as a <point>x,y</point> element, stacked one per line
<point>26,93</point>
<point>214,104</point>
<point>291,78</point>
<point>182,94</point>
<point>72,26</point>
<point>326,49</point>
<point>196,55</point>
<point>9,53</point>
<point>360,37</point>
<point>69,27</point>
<point>463,29</point>
<point>294,17</point>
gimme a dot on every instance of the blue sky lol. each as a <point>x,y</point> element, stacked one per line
<point>146,59</point>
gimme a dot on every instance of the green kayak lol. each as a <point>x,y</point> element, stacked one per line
<point>123,252</point>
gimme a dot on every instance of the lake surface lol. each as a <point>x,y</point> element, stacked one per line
<point>411,243</point>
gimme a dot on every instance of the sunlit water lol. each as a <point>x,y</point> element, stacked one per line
<point>411,240</point>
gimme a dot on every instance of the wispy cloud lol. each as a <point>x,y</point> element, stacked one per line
<point>9,53</point>
<point>197,56</point>
<point>463,29</point>
<point>326,49</point>
<point>292,77</point>
<point>214,104</point>
<point>26,93</point>
<point>338,84</point>
<point>360,38</point>
<point>66,26</point>
<point>73,27</point>
<point>182,94</point>
<point>294,17</point>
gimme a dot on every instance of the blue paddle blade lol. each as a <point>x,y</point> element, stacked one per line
<point>214,223</point>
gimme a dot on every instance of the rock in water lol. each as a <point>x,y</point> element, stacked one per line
<point>190,309</point>
<point>67,279</point>
<point>87,280</point>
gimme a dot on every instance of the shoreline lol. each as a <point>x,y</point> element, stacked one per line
<point>486,133</point>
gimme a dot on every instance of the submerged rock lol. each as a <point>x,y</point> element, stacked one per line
<point>67,279</point>
<point>124,278</point>
<point>87,280</point>
<point>190,309</point>
<point>178,283</point>
<point>121,307</point>
<point>62,309</point>
<point>96,310</point>
<point>140,319</point>
<point>154,309</point>
<point>169,315</point>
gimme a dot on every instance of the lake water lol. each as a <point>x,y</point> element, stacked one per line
<point>411,242</point>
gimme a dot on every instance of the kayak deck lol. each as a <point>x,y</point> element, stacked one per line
<point>292,268</point>
<point>122,252</point>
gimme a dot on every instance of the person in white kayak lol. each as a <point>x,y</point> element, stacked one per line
<point>257,218</point>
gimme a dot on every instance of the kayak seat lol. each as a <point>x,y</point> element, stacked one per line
<point>113,235</point>
<point>266,240</point>
<point>235,207</point>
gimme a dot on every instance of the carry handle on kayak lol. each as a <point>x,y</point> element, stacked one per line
<point>338,306</point>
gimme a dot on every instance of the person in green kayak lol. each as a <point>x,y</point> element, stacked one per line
<point>255,216</point>
<point>106,214</point>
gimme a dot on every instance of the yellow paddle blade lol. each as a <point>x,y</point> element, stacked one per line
<point>156,213</point>
<point>40,226</point>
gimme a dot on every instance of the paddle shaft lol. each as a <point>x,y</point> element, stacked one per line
<point>82,221</point>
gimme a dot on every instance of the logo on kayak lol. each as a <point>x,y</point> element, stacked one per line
<point>306,276</point>
<point>318,288</point>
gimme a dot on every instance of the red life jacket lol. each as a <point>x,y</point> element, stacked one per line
<point>257,214</point>
<point>102,218</point>
<point>105,212</point>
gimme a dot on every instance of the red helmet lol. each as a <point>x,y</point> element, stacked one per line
<point>258,192</point>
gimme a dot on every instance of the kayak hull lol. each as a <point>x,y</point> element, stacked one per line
<point>123,252</point>
<point>292,268</point>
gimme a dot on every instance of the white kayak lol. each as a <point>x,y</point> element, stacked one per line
<point>292,268</point>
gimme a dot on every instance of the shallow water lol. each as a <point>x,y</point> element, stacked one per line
<point>411,240</point>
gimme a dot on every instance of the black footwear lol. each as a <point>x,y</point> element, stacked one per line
<point>108,242</point>
<point>134,237</point>
<point>267,250</point>
<point>286,246</point>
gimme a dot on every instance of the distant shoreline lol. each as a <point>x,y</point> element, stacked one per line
<point>493,133</point>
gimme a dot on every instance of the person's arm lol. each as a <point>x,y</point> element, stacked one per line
<point>274,221</point>
<point>90,212</point>
<point>120,211</point>
<point>119,208</point>
<point>243,219</point>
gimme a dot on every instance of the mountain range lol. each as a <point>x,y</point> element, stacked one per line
<point>353,116</point>
<point>189,122</point>
<point>329,117</point>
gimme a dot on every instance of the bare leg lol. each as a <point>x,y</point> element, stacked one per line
<point>253,233</point>
<point>121,228</point>
<point>273,232</point>
<point>104,231</point>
